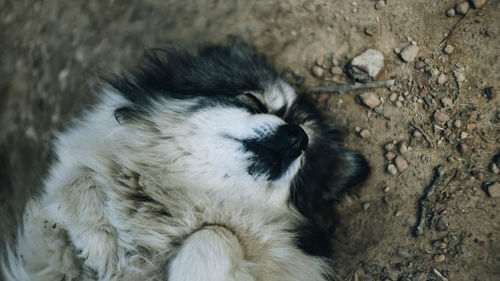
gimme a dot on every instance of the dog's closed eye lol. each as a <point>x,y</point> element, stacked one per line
<point>255,103</point>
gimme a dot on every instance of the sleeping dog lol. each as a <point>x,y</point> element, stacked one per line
<point>200,165</point>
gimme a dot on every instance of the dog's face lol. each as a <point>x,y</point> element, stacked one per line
<point>216,121</point>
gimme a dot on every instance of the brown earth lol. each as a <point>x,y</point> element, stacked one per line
<point>50,52</point>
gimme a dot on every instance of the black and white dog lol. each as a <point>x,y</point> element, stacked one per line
<point>200,166</point>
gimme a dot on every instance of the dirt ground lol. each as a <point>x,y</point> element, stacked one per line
<point>51,52</point>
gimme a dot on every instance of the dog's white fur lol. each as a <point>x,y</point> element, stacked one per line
<point>209,220</point>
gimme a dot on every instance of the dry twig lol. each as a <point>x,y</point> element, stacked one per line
<point>424,201</point>
<point>350,87</point>
<point>438,274</point>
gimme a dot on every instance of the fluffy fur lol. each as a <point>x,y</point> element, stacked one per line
<point>191,168</point>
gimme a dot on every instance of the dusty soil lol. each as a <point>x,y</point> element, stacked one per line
<point>51,50</point>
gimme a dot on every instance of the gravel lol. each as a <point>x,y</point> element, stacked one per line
<point>463,148</point>
<point>439,258</point>
<point>457,123</point>
<point>389,146</point>
<point>370,61</point>
<point>365,133</point>
<point>409,53</point>
<point>462,8</point>
<point>336,70</point>
<point>391,169</point>
<point>448,49</point>
<point>441,117</point>
<point>390,155</point>
<point>442,78</point>
<point>417,134</point>
<point>450,12</point>
<point>401,163</point>
<point>494,190</point>
<point>441,224</point>
<point>494,168</point>
<point>317,71</point>
<point>476,4</point>
<point>446,102</point>
<point>403,147</point>
<point>379,5</point>
<point>371,100</point>
<point>419,276</point>
<point>459,74</point>
<point>403,253</point>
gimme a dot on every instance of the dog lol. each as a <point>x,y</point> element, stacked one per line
<point>200,165</point>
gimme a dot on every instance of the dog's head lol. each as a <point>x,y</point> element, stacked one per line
<point>213,120</point>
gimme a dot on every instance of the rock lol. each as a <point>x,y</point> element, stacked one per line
<point>459,74</point>
<point>463,148</point>
<point>442,79</point>
<point>403,147</point>
<point>357,129</point>
<point>494,190</point>
<point>379,5</point>
<point>401,163</point>
<point>320,61</point>
<point>450,12</point>
<point>317,71</point>
<point>476,4</point>
<point>336,70</point>
<point>370,61</point>
<point>387,189</point>
<point>409,53</point>
<point>441,117</point>
<point>365,133</point>
<point>411,220</point>
<point>369,99</point>
<point>441,224</point>
<point>399,104</point>
<point>419,276</point>
<point>390,155</point>
<point>446,102</point>
<point>403,253</point>
<point>391,169</point>
<point>397,51</point>
<point>389,146</point>
<point>471,126</point>
<point>448,49</point>
<point>419,64</point>
<point>462,8</point>
<point>494,168</point>
<point>439,258</point>
<point>457,123</point>
<point>417,134</point>
<point>463,135</point>
<point>366,205</point>
<point>371,29</point>
<point>490,92</point>
<point>393,97</point>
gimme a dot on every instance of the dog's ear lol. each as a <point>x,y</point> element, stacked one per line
<point>354,171</point>
<point>126,114</point>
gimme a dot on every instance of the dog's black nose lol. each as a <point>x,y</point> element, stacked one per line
<point>289,141</point>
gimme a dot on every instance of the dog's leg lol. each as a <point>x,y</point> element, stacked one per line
<point>212,253</point>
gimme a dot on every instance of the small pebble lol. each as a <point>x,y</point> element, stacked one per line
<point>399,104</point>
<point>448,49</point>
<point>401,163</point>
<point>471,126</point>
<point>409,53</point>
<point>494,168</point>
<point>365,133</point>
<point>459,74</point>
<point>389,146</point>
<point>462,8</point>
<point>317,71</point>
<point>446,102</point>
<point>463,148</point>
<point>476,4</point>
<point>403,147</point>
<point>441,117</point>
<point>366,205</point>
<point>419,276</point>
<point>320,61</point>
<point>494,190</point>
<point>463,135</point>
<point>457,123</point>
<point>403,253</point>
<point>450,12</point>
<point>371,100</point>
<point>336,70</point>
<point>390,155</point>
<point>417,134</point>
<point>441,224</point>
<point>370,61</point>
<point>439,258</point>
<point>357,129</point>
<point>391,169</point>
<point>393,97</point>
<point>397,51</point>
<point>419,64</point>
<point>387,189</point>
<point>490,92</point>
<point>371,29</point>
<point>442,78</point>
<point>379,5</point>
<point>411,220</point>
